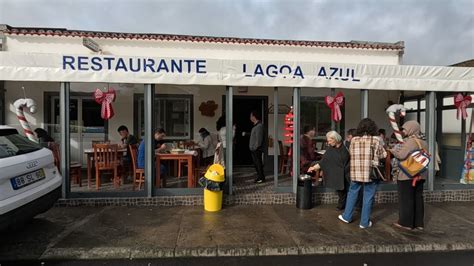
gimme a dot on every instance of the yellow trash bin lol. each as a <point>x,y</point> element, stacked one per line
<point>213,199</point>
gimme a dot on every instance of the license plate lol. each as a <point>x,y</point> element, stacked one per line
<point>27,179</point>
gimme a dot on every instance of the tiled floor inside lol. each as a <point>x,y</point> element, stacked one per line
<point>243,182</point>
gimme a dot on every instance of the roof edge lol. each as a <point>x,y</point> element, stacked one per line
<point>9,30</point>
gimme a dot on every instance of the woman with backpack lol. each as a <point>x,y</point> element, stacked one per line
<point>410,190</point>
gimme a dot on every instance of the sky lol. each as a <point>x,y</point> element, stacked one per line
<point>435,32</point>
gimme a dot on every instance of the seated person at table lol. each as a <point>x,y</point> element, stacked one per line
<point>207,145</point>
<point>141,153</point>
<point>126,139</point>
<point>308,155</point>
<point>160,145</point>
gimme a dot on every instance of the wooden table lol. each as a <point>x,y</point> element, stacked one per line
<point>90,158</point>
<point>189,157</point>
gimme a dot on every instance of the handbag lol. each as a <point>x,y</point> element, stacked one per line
<point>416,162</point>
<point>375,174</point>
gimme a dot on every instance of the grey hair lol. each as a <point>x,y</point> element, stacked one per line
<point>334,135</point>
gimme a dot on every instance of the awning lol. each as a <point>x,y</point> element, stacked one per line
<point>208,71</point>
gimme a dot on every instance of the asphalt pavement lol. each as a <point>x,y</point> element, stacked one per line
<point>241,234</point>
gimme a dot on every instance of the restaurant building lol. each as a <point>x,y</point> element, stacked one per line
<point>185,83</point>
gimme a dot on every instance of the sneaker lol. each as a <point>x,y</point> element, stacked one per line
<point>258,181</point>
<point>342,219</point>
<point>362,227</point>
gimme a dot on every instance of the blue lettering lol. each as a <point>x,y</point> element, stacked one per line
<point>175,67</point>
<point>201,64</point>
<point>346,77</point>
<point>282,68</point>
<point>109,62</point>
<point>274,72</point>
<point>258,70</point>
<point>298,72</point>
<point>82,63</point>
<point>162,66</point>
<point>138,65</point>
<point>96,63</point>
<point>68,60</point>
<point>244,69</point>
<point>334,71</point>
<point>322,72</point>
<point>149,63</point>
<point>121,65</point>
<point>189,64</point>
<point>353,76</point>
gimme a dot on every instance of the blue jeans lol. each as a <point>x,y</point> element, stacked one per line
<point>369,193</point>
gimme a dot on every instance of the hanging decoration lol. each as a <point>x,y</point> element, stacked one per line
<point>462,102</point>
<point>31,105</point>
<point>392,111</point>
<point>105,99</point>
<point>289,127</point>
<point>467,175</point>
<point>335,103</point>
<point>208,108</point>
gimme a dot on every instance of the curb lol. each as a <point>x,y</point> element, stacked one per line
<point>179,252</point>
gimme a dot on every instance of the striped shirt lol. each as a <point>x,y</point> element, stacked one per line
<point>361,162</point>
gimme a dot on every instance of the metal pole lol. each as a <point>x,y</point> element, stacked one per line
<point>333,123</point>
<point>2,103</point>
<point>276,144</point>
<point>430,118</point>
<point>296,138</point>
<point>64,140</point>
<point>149,143</point>
<point>364,104</point>
<point>229,123</point>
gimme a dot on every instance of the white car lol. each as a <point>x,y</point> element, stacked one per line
<point>30,183</point>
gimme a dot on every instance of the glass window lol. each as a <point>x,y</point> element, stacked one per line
<point>174,115</point>
<point>92,134</point>
<point>318,114</point>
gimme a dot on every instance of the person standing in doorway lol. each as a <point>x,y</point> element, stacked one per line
<point>257,145</point>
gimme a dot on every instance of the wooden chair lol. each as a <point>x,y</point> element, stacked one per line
<point>105,159</point>
<point>283,159</point>
<point>138,173</point>
<point>74,167</point>
<point>189,145</point>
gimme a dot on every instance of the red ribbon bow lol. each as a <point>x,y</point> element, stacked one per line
<point>334,104</point>
<point>106,99</point>
<point>462,102</point>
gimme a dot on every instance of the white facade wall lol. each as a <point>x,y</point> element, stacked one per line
<point>181,49</point>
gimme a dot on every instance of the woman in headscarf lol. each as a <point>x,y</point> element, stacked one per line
<point>207,145</point>
<point>335,166</point>
<point>410,192</point>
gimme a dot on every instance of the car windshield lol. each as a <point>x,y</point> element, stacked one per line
<point>12,144</point>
